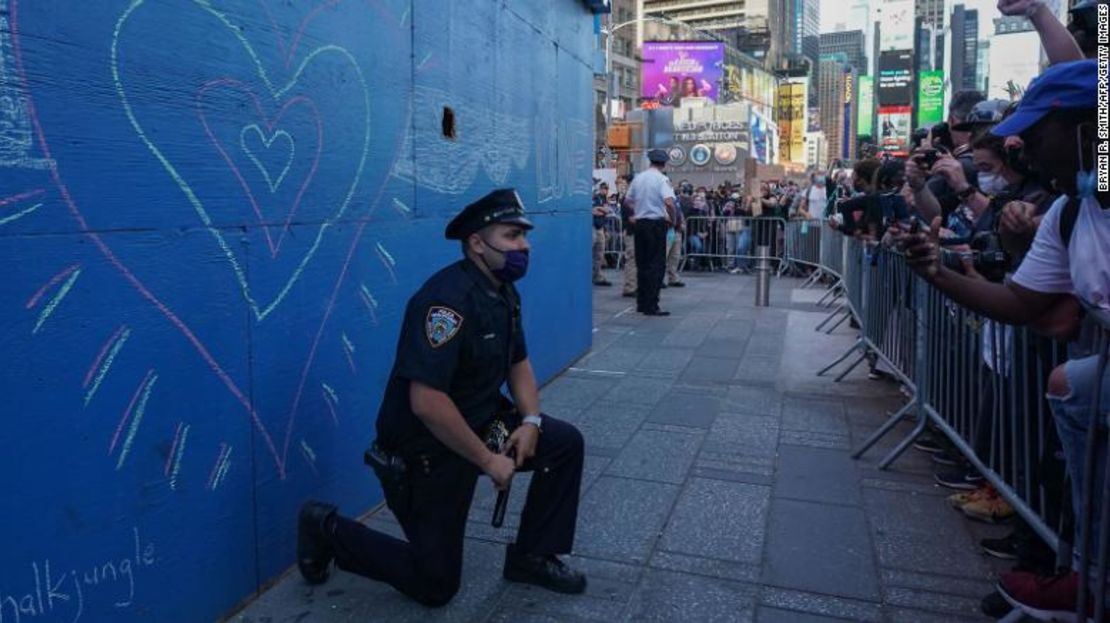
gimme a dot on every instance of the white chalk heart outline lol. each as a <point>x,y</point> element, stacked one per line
<point>276,94</point>
<point>268,144</point>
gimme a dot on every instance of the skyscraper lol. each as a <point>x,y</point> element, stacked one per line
<point>848,46</point>
<point>801,19</point>
<point>623,85</point>
<point>982,65</point>
<point>931,11</point>
<point>931,19</point>
<point>752,26</point>
<point>965,48</point>
<point>838,89</point>
<point>857,15</point>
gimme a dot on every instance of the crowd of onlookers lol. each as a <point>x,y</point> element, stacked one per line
<point>998,208</point>
<point>712,230</point>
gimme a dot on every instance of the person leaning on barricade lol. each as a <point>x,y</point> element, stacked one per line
<point>1070,256</point>
<point>849,216</point>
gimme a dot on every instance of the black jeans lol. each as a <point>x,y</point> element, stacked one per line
<point>432,509</point>
<point>651,262</point>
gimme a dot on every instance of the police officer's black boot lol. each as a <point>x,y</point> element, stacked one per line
<point>546,571</point>
<point>315,525</point>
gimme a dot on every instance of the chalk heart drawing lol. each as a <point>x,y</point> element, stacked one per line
<point>281,97</point>
<point>282,137</point>
<point>278,212</point>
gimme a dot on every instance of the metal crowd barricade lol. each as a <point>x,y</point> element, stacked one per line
<point>832,251</point>
<point>1096,448</point>
<point>614,240</point>
<point>724,242</point>
<point>990,403</point>
<point>803,249</point>
<point>983,385</point>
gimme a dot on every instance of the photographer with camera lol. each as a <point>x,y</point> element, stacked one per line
<point>935,195</point>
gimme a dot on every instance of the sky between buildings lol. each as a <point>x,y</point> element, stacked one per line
<point>832,13</point>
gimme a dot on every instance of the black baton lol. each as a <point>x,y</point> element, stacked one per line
<point>502,499</point>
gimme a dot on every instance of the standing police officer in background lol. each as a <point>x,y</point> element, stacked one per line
<point>461,339</point>
<point>653,201</point>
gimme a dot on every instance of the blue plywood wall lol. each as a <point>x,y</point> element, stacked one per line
<point>211,216</point>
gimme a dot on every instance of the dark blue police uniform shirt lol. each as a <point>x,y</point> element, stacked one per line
<point>460,335</point>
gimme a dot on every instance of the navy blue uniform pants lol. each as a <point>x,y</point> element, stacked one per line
<point>651,262</point>
<point>432,509</point>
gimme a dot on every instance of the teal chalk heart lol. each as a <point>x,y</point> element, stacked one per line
<point>281,136</point>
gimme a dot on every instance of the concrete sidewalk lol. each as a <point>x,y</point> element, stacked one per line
<point>718,485</point>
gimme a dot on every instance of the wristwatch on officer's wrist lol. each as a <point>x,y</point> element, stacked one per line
<point>534,420</point>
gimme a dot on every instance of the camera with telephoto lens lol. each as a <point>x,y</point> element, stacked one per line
<point>990,259</point>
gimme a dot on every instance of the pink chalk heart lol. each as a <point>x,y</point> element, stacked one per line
<point>257,144</point>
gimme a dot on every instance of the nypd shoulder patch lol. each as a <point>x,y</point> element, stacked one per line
<point>441,324</point>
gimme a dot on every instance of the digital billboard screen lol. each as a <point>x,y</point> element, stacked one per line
<point>896,78</point>
<point>930,98</point>
<point>673,70</point>
<point>866,108</point>
<point>894,129</point>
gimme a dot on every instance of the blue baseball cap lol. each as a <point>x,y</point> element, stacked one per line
<point>1064,86</point>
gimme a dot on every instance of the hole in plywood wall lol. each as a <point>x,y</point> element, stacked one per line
<point>448,123</point>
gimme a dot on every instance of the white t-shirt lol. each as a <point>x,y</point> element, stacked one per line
<point>1082,267</point>
<point>648,191</point>
<point>817,200</point>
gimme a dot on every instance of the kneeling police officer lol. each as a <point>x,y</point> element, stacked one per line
<point>460,341</point>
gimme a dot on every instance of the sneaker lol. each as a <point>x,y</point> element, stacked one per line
<point>676,284</point>
<point>955,478</point>
<point>734,271</point>
<point>949,458</point>
<point>1043,597</point>
<point>965,497</point>
<point>876,374</point>
<point>995,605</point>
<point>991,508</point>
<point>928,443</point>
<point>1005,548</point>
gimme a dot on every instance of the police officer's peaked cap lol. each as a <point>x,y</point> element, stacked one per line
<point>500,206</point>
<point>658,156</point>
